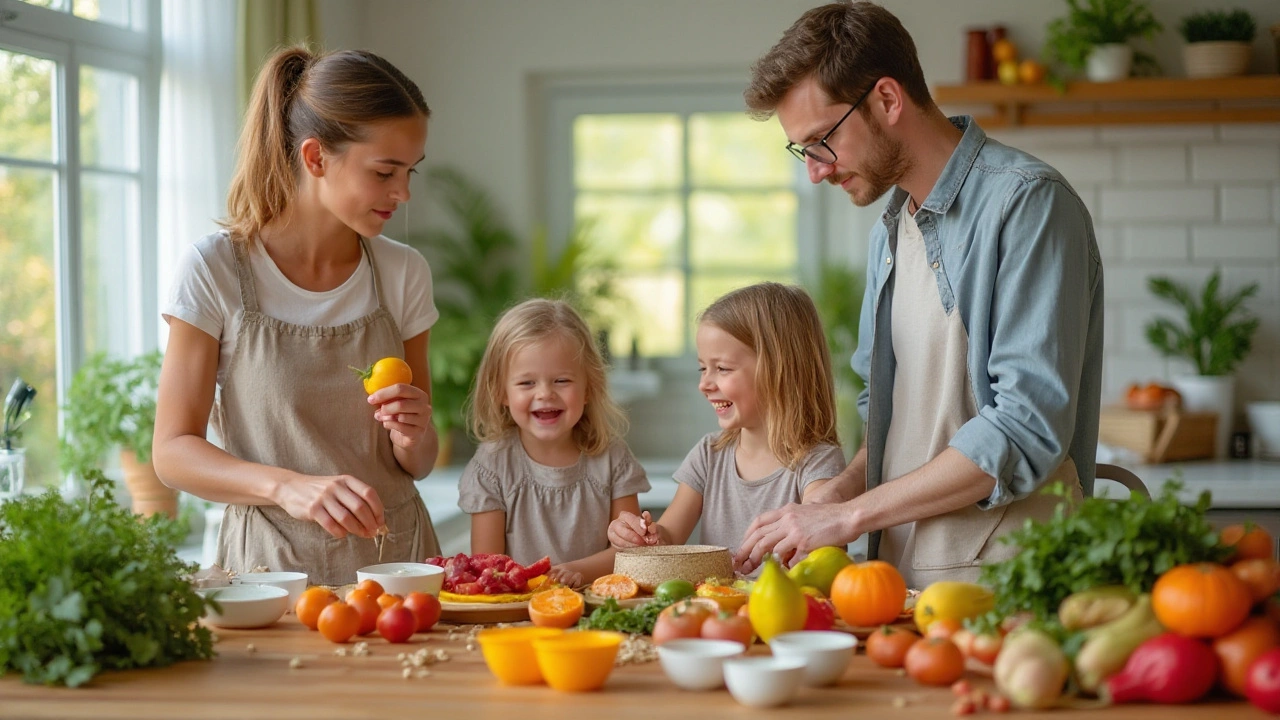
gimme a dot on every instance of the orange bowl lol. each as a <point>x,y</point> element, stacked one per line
<point>577,661</point>
<point>509,653</point>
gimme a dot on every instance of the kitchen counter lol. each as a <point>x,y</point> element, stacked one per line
<point>243,684</point>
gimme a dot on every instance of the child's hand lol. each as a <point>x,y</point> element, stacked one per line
<point>630,530</point>
<point>563,575</point>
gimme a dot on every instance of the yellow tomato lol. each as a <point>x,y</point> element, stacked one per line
<point>386,372</point>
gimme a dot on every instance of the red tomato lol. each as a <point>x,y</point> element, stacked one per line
<point>397,623</point>
<point>425,607</point>
<point>985,648</point>
<point>934,661</point>
<point>1262,686</point>
<point>888,646</point>
<point>822,614</point>
<point>683,620</point>
<point>726,626</point>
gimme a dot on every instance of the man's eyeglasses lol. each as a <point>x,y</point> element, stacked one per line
<point>820,150</point>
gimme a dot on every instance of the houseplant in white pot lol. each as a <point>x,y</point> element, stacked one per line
<point>1215,335</point>
<point>1095,34</point>
<point>1219,43</point>
<point>111,404</point>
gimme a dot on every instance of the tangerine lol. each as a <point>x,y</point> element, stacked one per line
<point>556,608</point>
<point>1249,541</point>
<point>338,622</point>
<point>368,608</point>
<point>618,587</point>
<point>373,587</point>
<point>386,600</point>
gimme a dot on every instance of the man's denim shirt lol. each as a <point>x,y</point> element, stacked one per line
<point>1013,249</point>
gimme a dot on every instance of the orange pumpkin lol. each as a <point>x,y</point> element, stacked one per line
<point>1248,541</point>
<point>1261,575</point>
<point>1239,648</point>
<point>869,594</point>
<point>1200,600</point>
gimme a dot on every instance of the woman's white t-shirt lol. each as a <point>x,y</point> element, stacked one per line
<point>206,292</point>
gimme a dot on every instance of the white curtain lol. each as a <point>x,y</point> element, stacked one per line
<point>199,122</point>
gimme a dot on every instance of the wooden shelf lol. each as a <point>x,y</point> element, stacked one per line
<point>1154,101</point>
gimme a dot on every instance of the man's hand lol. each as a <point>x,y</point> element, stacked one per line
<point>794,529</point>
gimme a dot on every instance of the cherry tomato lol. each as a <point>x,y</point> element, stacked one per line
<point>1262,686</point>
<point>425,607</point>
<point>726,626</point>
<point>397,623</point>
<point>386,372</point>
<point>338,622</point>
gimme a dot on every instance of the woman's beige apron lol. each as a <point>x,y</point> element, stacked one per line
<point>290,401</point>
<point>932,398</point>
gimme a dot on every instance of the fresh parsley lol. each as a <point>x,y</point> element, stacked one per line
<point>612,616</point>
<point>87,587</point>
<point>1100,542</point>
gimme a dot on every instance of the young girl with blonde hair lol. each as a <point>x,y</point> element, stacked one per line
<point>552,469</point>
<point>266,316</point>
<point>766,371</point>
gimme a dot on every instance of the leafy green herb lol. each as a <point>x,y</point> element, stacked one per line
<point>1218,26</point>
<point>1100,542</point>
<point>87,587</point>
<point>1070,39</point>
<point>612,616</point>
<point>1216,333</point>
<point>111,404</point>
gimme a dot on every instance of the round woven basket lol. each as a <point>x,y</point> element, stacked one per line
<point>651,565</point>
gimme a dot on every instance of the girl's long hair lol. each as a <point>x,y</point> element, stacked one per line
<point>794,384</point>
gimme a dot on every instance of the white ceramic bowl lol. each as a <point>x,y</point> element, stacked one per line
<point>246,606</point>
<point>293,582</point>
<point>1264,421</point>
<point>402,578</point>
<point>697,663</point>
<point>763,681</point>
<point>826,653</point>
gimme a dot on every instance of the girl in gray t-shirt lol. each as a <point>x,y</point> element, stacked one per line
<point>552,470</point>
<point>766,371</point>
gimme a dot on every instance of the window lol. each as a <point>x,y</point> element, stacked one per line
<point>77,98</point>
<point>685,194</point>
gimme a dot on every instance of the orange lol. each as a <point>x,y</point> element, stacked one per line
<point>1030,72</point>
<point>556,608</point>
<point>372,587</point>
<point>1249,541</point>
<point>311,602</point>
<point>368,608</point>
<point>618,587</point>
<point>1004,50</point>
<point>338,622</point>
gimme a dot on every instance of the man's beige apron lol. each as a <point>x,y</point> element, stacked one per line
<point>932,398</point>
<point>290,401</point>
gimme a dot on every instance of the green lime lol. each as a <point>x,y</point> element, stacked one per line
<point>674,590</point>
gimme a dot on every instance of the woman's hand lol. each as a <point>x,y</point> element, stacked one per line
<point>405,411</point>
<point>341,504</point>
<point>631,530</point>
<point>565,576</point>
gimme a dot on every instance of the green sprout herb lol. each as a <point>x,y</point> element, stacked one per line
<point>88,587</point>
<point>612,616</point>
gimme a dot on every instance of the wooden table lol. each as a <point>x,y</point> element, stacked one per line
<point>239,684</point>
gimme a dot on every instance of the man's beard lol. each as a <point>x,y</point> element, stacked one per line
<point>885,166</point>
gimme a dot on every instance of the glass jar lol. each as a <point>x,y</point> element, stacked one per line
<point>13,465</point>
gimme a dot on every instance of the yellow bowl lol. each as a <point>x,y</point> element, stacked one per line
<point>577,661</point>
<point>509,653</point>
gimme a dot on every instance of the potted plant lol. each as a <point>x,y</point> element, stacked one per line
<point>476,267</point>
<point>1215,335</point>
<point>111,404</point>
<point>1094,37</point>
<point>1219,43</point>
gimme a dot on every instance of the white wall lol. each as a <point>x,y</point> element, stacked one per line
<point>1170,200</point>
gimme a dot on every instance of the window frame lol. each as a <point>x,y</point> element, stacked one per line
<point>73,42</point>
<point>567,99</point>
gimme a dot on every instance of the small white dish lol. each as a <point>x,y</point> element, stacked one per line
<point>246,606</point>
<point>402,578</point>
<point>1264,420</point>
<point>825,653</point>
<point>763,681</point>
<point>697,663</point>
<point>294,582</point>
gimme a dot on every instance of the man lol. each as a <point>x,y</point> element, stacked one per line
<point>981,329</point>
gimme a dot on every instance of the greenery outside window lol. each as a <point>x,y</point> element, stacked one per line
<point>78,98</point>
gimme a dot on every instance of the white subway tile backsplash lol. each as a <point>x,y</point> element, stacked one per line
<point>1167,205</point>
<point>1127,283</point>
<point>1030,139</point>
<point>1136,317</point>
<point>1250,131</point>
<point>1156,134</point>
<point>1156,242</point>
<point>1110,246</point>
<point>1081,166</point>
<point>1153,164</point>
<point>1242,203</point>
<point>1233,242</point>
<point>1235,162</point>
<point>1235,277</point>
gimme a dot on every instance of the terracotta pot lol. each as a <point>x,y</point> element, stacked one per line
<point>149,495</point>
